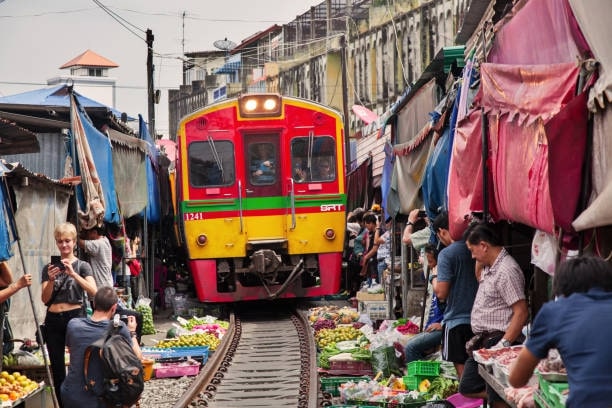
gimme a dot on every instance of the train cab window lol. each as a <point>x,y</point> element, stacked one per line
<point>262,163</point>
<point>211,163</point>
<point>313,158</point>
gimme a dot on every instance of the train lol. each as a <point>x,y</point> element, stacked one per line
<point>260,191</point>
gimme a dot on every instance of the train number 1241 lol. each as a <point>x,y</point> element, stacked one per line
<point>193,216</point>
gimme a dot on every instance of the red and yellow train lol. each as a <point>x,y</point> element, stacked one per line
<point>260,190</point>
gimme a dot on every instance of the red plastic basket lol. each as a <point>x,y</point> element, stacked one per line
<point>350,367</point>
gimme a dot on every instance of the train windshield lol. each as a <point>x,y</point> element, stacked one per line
<point>211,163</point>
<point>313,158</point>
<point>262,163</point>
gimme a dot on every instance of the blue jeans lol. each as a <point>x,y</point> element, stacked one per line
<point>382,265</point>
<point>419,344</point>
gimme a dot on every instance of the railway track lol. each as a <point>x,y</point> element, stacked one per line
<point>266,359</point>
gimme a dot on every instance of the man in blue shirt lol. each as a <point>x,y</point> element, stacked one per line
<point>579,325</point>
<point>80,334</point>
<point>456,285</point>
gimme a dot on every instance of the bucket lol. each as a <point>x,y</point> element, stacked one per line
<point>147,365</point>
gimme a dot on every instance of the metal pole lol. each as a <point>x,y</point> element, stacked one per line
<point>392,267</point>
<point>345,111</point>
<point>150,87</point>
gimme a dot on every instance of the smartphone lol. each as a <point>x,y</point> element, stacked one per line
<point>422,214</point>
<point>57,261</point>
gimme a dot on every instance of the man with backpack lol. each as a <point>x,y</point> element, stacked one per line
<point>86,384</point>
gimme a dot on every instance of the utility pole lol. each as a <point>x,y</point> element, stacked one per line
<point>150,87</point>
<point>345,110</point>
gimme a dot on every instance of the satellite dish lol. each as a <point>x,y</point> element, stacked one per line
<point>224,45</point>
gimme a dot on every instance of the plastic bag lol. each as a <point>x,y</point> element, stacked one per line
<point>143,305</point>
<point>384,360</point>
<point>544,250</point>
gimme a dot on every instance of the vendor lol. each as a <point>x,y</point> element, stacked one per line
<point>579,325</point>
<point>9,288</point>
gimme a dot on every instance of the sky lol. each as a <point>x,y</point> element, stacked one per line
<point>38,36</point>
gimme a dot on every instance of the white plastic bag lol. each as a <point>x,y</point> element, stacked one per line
<point>544,249</point>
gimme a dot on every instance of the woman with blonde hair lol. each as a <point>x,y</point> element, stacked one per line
<point>64,287</point>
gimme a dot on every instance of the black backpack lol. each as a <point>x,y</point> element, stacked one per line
<point>123,372</point>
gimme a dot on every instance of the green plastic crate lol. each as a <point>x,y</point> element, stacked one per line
<point>331,385</point>
<point>424,367</point>
<point>552,392</point>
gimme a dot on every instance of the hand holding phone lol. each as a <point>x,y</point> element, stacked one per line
<point>57,262</point>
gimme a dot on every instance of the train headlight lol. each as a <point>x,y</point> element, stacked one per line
<point>330,234</point>
<point>259,105</point>
<point>201,240</point>
<point>250,105</point>
<point>270,104</point>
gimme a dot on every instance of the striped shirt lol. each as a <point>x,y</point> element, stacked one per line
<point>501,285</point>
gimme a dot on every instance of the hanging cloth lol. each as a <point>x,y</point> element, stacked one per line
<point>92,214</point>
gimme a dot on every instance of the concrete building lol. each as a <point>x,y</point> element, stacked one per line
<point>89,73</point>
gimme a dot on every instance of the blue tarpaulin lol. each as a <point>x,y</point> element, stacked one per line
<point>56,96</point>
<point>153,203</point>
<point>5,219</point>
<point>103,161</point>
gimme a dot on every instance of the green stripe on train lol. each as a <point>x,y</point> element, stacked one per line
<point>260,203</point>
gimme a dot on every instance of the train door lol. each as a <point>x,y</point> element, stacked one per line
<point>264,204</point>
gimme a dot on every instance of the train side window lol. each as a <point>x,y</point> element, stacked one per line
<point>325,169</point>
<point>211,163</point>
<point>313,158</point>
<point>262,165</point>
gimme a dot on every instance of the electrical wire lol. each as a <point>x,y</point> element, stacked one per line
<point>399,54</point>
<point>120,20</point>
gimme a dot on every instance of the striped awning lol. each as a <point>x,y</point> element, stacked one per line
<point>228,68</point>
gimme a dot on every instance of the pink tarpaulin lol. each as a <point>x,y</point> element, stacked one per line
<point>536,136</point>
<point>520,102</point>
<point>539,32</point>
<point>465,174</point>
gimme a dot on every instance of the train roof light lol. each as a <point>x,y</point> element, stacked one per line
<point>266,105</point>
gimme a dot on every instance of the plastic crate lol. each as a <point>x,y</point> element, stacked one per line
<point>161,353</point>
<point>350,367</point>
<point>331,385</point>
<point>376,309</point>
<point>459,401</point>
<point>552,392</point>
<point>392,404</point>
<point>423,367</point>
<point>176,370</point>
<point>412,381</point>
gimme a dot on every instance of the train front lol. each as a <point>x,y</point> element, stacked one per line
<point>261,198</point>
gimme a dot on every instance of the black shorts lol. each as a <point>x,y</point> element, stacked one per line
<point>453,343</point>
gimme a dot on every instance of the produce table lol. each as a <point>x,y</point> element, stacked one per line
<point>38,398</point>
<point>494,383</point>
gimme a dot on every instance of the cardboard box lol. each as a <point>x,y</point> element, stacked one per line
<point>364,296</point>
<point>375,309</point>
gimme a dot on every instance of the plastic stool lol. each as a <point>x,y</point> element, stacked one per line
<point>459,401</point>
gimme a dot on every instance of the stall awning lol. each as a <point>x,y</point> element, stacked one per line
<point>232,65</point>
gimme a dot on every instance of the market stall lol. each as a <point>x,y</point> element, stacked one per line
<point>546,388</point>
